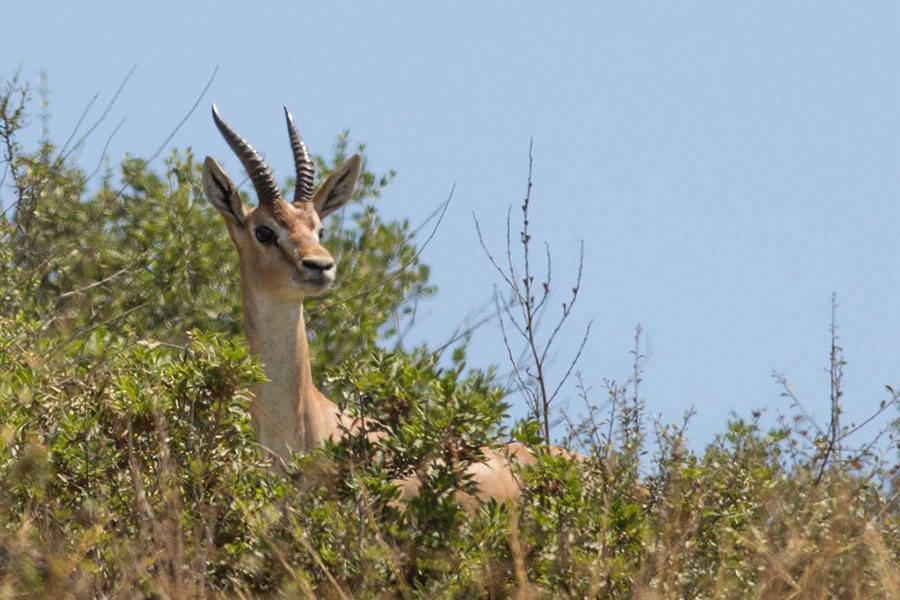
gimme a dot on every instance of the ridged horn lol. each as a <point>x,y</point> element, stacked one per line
<point>259,172</point>
<point>306,170</point>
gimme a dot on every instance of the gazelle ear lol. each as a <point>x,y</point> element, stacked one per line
<point>222,193</point>
<point>338,188</point>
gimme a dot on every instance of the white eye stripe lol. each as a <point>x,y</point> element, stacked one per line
<point>287,247</point>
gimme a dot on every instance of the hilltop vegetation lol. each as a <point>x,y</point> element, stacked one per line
<point>128,465</point>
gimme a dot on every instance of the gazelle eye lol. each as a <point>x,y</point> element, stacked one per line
<point>321,232</point>
<point>265,235</point>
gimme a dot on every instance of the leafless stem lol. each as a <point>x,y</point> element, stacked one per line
<point>187,116</point>
<point>105,150</point>
<point>65,153</point>
<point>405,265</point>
<point>525,312</point>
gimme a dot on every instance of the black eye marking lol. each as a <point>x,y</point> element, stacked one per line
<point>265,235</point>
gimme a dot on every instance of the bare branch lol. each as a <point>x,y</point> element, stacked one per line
<point>574,362</point>
<point>187,116</point>
<point>64,154</point>
<point>526,310</point>
<point>103,152</point>
<point>509,282</point>
<point>402,267</point>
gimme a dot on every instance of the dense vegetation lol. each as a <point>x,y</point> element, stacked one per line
<point>128,466</point>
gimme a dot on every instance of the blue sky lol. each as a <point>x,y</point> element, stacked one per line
<point>728,165</point>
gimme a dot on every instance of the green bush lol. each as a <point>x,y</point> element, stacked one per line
<point>129,468</point>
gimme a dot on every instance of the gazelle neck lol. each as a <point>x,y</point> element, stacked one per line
<point>281,252</point>
<point>288,412</point>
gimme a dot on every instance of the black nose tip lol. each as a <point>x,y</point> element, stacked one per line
<point>317,264</point>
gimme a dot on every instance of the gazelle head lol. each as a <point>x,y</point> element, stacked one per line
<point>279,242</point>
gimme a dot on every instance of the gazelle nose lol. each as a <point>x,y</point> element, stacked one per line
<point>320,264</point>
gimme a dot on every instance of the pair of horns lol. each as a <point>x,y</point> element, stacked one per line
<point>260,173</point>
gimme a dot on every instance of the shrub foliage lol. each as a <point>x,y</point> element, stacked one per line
<point>129,468</point>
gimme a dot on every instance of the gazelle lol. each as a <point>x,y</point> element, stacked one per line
<point>282,261</point>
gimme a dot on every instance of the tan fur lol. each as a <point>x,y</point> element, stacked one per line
<point>288,412</point>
